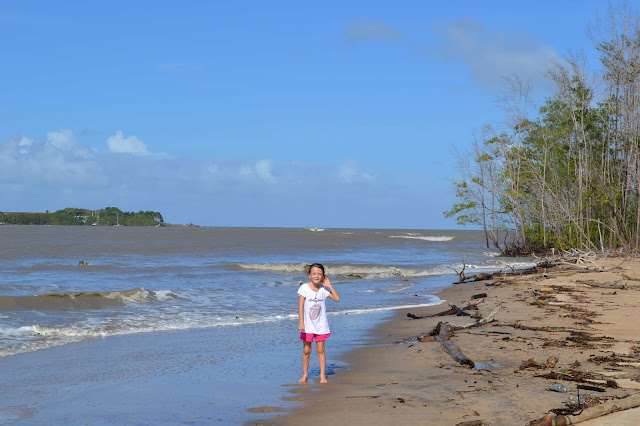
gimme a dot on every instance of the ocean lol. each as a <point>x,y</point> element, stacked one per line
<point>66,286</point>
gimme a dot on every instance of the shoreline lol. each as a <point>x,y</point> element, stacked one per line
<point>581,320</point>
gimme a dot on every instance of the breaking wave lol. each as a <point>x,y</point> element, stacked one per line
<point>73,301</point>
<point>383,271</point>
<point>285,268</point>
<point>345,271</point>
<point>423,237</point>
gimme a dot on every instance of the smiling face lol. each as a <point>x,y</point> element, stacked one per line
<point>317,275</point>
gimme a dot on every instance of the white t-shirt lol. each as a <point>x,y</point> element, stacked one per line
<point>315,315</point>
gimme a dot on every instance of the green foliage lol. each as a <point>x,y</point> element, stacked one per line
<point>109,216</point>
<point>463,219</point>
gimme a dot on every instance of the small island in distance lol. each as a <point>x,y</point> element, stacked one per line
<point>109,216</point>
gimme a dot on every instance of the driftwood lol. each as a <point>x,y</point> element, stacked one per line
<point>443,331</point>
<point>471,423</point>
<point>477,323</point>
<point>461,276</point>
<point>482,276</point>
<point>571,258</point>
<point>589,413</point>
<point>580,377</point>
<point>451,348</point>
<point>453,310</point>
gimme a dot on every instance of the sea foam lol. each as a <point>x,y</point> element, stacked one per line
<point>423,237</point>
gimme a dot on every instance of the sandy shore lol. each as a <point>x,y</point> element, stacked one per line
<point>587,319</point>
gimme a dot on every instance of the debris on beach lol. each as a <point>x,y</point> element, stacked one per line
<point>442,333</point>
<point>589,413</point>
<point>453,310</point>
<point>580,377</point>
<point>532,363</point>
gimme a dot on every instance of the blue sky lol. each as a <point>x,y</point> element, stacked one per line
<point>326,114</point>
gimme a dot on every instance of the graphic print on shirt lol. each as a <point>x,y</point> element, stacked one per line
<point>315,310</point>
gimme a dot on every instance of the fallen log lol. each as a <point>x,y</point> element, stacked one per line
<point>595,268</point>
<point>588,413</point>
<point>482,276</point>
<point>451,348</point>
<point>454,351</point>
<point>442,333</point>
<point>453,310</point>
<point>471,423</point>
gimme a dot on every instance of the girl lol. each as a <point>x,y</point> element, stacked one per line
<point>313,318</point>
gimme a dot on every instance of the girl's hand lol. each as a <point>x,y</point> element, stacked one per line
<point>326,282</point>
<point>301,326</point>
<point>333,294</point>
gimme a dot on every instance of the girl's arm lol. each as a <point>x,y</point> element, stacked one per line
<point>301,313</point>
<point>333,294</point>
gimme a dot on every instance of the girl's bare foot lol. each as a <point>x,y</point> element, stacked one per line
<point>303,379</point>
<point>323,380</point>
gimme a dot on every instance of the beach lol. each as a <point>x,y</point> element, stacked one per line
<point>572,321</point>
<point>199,326</point>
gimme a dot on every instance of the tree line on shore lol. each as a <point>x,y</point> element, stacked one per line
<point>109,216</point>
<point>568,175</point>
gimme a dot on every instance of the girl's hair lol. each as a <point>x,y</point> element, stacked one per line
<point>316,265</point>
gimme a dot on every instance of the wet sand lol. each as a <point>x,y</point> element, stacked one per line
<point>586,318</point>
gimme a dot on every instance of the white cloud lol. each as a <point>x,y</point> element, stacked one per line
<point>24,145</point>
<point>64,139</point>
<point>56,162</point>
<point>490,55</point>
<point>349,173</point>
<point>264,171</point>
<point>131,145</point>
<point>261,171</point>
<point>25,141</point>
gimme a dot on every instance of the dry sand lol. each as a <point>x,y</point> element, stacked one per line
<point>586,318</point>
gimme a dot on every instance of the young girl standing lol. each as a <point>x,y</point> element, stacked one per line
<point>313,318</point>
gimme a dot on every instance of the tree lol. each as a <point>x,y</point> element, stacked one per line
<point>479,189</point>
<point>570,176</point>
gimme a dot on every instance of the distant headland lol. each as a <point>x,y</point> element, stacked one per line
<point>109,216</point>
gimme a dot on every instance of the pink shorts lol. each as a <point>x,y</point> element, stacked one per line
<point>309,337</point>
